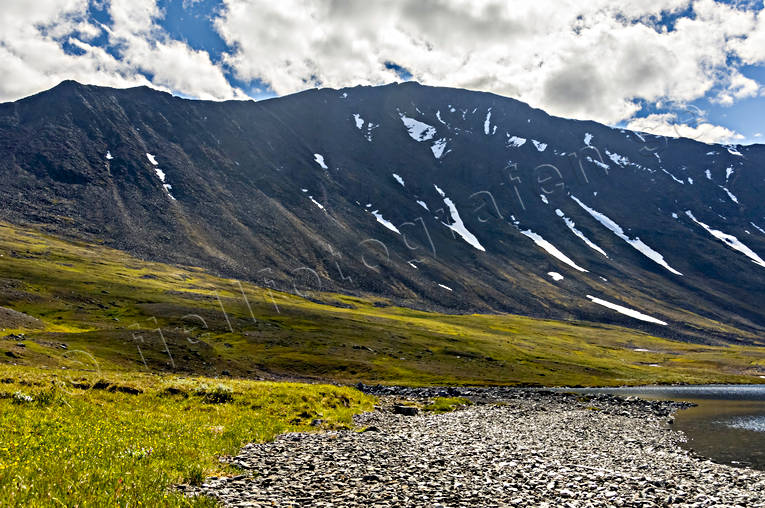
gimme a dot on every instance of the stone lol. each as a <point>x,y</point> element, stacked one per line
<point>405,410</point>
<point>517,447</point>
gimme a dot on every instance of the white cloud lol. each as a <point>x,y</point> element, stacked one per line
<point>666,124</point>
<point>752,48</point>
<point>30,53</point>
<point>737,87</point>
<point>31,50</point>
<point>589,60</point>
<point>172,63</point>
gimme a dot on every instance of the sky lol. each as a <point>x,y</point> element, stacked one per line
<point>691,68</point>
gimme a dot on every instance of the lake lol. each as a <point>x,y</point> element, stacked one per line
<point>727,426</point>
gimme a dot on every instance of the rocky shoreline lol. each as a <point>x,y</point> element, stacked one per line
<point>513,447</point>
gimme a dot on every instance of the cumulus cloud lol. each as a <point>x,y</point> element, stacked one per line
<point>31,53</point>
<point>594,60</point>
<point>751,49</point>
<point>599,60</point>
<point>667,124</point>
<point>172,64</point>
<point>737,86</point>
<point>32,50</point>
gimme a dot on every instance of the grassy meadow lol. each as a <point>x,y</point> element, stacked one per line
<point>120,377</point>
<point>99,308</point>
<point>123,440</point>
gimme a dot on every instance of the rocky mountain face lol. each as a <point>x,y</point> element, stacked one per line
<point>434,198</point>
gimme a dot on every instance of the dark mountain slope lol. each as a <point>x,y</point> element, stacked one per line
<point>303,193</point>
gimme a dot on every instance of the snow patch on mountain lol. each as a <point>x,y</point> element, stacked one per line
<point>399,179</point>
<point>422,204</point>
<point>729,240</point>
<point>619,160</point>
<point>551,249</point>
<point>587,138</point>
<point>459,227</point>
<point>626,311</point>
<point>734,151</point>
<point>600,164</point>
<point>438,148</point>
<point>359,121</point>
<point>515,141</point>
<point>316,203</point>
<point>541,147</point>
<point>360,126</point>
<point>572,226</point>
<point>388,224</point>
<point>319,159</point>
<point>487,127</point>
<point>555,276</point>
<point>635,243</point>
<point>730,194</point>
<point>370,127</point>
<point>673,177</point>
<point>109,155</point>
<point>419,131</point>
<point>161,175</point>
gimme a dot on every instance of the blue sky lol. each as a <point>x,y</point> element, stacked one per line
<point>679,67</point>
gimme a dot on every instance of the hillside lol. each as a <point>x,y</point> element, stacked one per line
<point>437,199</point>
<point>89,307</point>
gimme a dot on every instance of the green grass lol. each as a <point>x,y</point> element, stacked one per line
<point>445,404</point>
<point>113,312</point>
<point>89,440</point>
<point>142,373</point>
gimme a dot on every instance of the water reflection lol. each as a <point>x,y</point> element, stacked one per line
<point>727,425</point>
<point>755,423</point>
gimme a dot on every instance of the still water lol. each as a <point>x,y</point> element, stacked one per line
<point>728,425</point>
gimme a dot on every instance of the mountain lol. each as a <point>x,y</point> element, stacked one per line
<point>434,198</point>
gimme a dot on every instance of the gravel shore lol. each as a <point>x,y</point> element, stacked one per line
<point>514,447</point>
